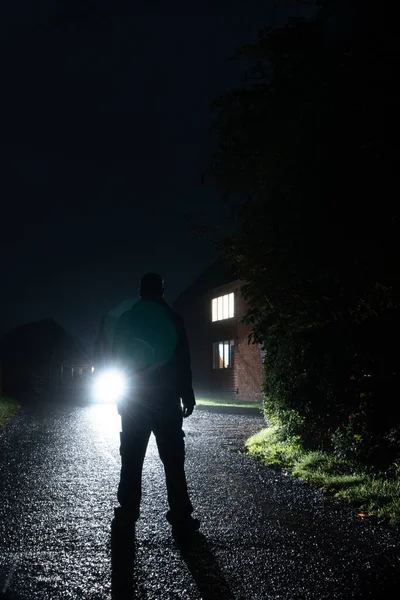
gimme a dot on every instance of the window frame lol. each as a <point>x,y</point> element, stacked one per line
<point>220,305</point>
<point>217,365</point>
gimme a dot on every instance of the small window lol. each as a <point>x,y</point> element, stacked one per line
<point>214,310</point>
<point>223,355</point>
<point>223,307</point>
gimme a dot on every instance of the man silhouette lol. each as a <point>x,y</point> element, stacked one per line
<point>151,346</point>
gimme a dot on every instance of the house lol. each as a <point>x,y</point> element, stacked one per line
<point>224,364</point>
<point>42,356</point>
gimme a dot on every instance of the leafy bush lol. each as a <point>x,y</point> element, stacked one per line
<point>335,388</point>
<point>272,448</point>
<point>8,408</point>
<point>318,256</point>
<point>376,494</point>
<point>347,443</point>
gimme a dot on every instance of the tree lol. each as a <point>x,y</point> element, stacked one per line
<point>302,143</point>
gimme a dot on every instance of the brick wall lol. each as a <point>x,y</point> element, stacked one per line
<point>245,380</point>
<point>222,381</point>
<point>248,364</point>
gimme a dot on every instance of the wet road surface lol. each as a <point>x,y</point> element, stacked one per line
<point>265,535</point>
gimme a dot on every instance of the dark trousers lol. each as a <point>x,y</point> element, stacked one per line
<point>139,418</point>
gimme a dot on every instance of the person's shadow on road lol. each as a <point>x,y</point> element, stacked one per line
<point>124,585</point>
<point>196,553</point>
<point>204,568</point>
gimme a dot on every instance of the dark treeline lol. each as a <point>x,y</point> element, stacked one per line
<point>306,161</point>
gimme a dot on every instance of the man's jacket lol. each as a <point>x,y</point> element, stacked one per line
<point>150,342</point>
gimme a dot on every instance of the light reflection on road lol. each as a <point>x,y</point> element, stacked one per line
<point>105,420</point>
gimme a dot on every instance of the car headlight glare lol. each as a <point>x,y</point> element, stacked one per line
<point>110,386</point>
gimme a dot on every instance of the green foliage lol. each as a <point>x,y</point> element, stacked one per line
<point>213,402</point>
<point>347,442</point>
<point>318,461</point>
<point>272,448</point>
<point>328,472</point>
<point>380,497</point>
<point>374,494</point>
<point>301,155</point>
<point>8,408</point>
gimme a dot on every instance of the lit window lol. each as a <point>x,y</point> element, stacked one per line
<point>220,308</point>
<point>214,310</point>
<point>231,305</point>
<point>223,355</point>
<point>223,307</point>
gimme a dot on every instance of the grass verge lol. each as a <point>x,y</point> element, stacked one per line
<point>210,402</point>
<point>8,408</point>
<point>377,494</point>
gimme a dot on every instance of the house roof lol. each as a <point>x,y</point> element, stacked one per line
<point>217,274</point>
<point>41,342</point>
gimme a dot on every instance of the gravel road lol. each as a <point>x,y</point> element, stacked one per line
<point>264,535</point>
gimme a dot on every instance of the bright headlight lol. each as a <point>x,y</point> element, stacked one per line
<point>110,386</point>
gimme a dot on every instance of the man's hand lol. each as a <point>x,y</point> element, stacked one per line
<point>187,409</point>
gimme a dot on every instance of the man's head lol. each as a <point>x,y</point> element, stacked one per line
<point>151,286</point>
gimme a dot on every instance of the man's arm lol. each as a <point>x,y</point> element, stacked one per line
<point>186,386</point>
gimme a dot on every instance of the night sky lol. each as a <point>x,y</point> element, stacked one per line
<point>104,136</point>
